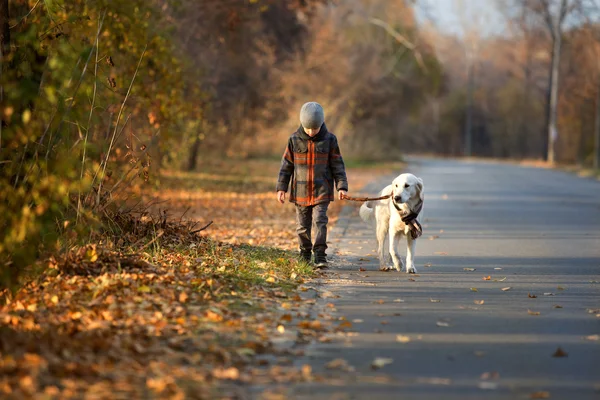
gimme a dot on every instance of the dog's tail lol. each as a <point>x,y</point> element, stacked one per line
<point>366,211</point>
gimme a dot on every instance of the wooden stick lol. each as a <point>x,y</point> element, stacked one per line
<point>203,228</point>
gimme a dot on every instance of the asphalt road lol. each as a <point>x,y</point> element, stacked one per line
<point>534,231</point>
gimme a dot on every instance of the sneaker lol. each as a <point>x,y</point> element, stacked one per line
<point>321,261</point>
<point>305,257</point>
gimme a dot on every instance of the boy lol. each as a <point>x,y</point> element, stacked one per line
<point>312,160</point>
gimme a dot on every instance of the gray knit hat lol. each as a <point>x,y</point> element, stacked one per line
<point>312,115</point>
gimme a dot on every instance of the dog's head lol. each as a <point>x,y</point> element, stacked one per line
<point>407,187</point>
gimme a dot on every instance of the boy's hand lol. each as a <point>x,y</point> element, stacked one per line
<point>341,193</point>
<point>281,196</point>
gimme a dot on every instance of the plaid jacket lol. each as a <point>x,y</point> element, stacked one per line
<point>312,164</point>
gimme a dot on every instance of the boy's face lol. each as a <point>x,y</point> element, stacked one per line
<point>311,131</point>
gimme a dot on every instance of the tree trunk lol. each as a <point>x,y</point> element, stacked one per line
<point>469,110</point>
<point>596,156</point>
<point>4,29</point>
<point>4,50</point>
<point>193,156</point>
<point>552,117</point>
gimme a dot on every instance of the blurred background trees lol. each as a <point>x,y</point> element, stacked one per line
<point>97,95</point>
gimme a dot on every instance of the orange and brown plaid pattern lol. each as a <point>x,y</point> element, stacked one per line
<point>312,165</point>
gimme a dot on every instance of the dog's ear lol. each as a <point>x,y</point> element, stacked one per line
<point>420,189</point>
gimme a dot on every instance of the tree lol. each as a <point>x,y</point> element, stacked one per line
<point>554,13</point>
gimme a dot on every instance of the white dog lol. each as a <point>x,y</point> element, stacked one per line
<point>392,218</point>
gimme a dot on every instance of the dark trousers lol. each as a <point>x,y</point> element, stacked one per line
<point>306,217</point>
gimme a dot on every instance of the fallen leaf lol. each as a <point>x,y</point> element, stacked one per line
<point>487,278</point>
<point>213,316</point>
<point>593,337</point>
<point>271,279</point>
<point>500,280</point>
<point>402,338</point>
<point>231,373</point>
<point>398,301</point>
<point>473,289</point>
<point>560,288</point>
<point>506,289</point>
<point>91,255</point>
<point>412,279</point>
<point>357,321</point>
<point>338,363</point>
<point>362,269</point>
<point>443,324</point>
<point>548,294</point>
<point>281,329</point>
<point>428,265</point>
<point>434,300</point>
<point>379,302</point>
<point>498,268</point>
<point>54,299</point>
<point>533,312</point>
<point>558,306</point>
<point>479,353</point>
<point>560,353</point>
<point>144,289</point>
<point>478,302</point>
<point>539,395</point>
<point>489,375</point>
<point>183,297</point>
<point>531,296</point>
<point>329,295</point>
<point>469,269</point>
<point>286,317</point>
<point>384,322</point>
<point>293,275</point>
<point>381,362</point>
<point>345,324</point>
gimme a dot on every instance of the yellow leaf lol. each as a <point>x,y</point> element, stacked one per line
<point>478,302</point>
<point>533,312</point>
<point>271,279</point>
<point>402,338</point>
<point>76,315</point>
<point>281,329</point>
<point>144,289</point>
<point>54,299</point>
<point>32,307</point>
<point>91,254</point>
<point>506,289</point>
<point>473,289</point>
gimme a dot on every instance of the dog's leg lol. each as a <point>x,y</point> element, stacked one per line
<point>394,241</point>
<point>381,239</point>
<point>411,246</point>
